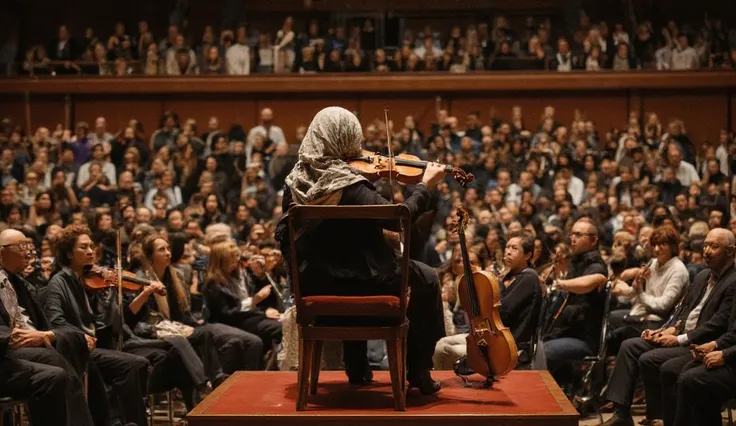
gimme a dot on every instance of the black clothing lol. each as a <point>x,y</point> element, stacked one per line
<point>521,303</point>
<point>34,365</point>
<point>331,263</point>
<point>714,316</point>
<point>583,315</point>
<point>67,307</point>
<point>44,386</point>
<point>225,307</point>
<point>220,347</point>
<point>661,366</point>
<point>70,343</point>
<point>702,392</point>
<point>699,392</point>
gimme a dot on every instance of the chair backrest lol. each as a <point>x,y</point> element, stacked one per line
<point>300,215</point>
<point>604,325</point>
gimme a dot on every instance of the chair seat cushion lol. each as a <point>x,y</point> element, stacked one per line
<point>354,306</point>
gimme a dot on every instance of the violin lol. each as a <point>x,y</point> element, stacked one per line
<point>491,347</point>
<point>405,168</point>
<point>99,278</point>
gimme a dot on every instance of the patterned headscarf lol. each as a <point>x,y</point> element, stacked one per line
<point>322,173</point>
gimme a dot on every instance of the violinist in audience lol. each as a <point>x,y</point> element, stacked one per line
<point>233,301</point>
<point>69,306</point>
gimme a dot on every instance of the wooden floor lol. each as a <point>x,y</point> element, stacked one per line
<point>269,398</point>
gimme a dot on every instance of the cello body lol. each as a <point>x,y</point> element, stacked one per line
<point>491,348</point>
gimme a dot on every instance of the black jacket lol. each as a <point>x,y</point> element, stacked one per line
<point>713,320</point>
<point>224,304</point>
<point>346,257</point>
<point>520,305</point>
<point>70,343</point>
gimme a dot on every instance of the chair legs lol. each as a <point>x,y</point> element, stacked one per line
<point>306,353</point>
<point>396,360</point>
<point>310,359</point>
<point>315,367</point>
<point>169,408</point>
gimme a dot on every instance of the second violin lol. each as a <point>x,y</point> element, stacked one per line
<point>98,278</point>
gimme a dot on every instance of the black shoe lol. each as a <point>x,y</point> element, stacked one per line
<point>361,379</point>
<point>618,420</point>
<point>424,382</point>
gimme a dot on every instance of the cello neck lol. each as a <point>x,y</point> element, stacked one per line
<point>474,308</point>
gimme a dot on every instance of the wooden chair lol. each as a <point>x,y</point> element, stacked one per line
<point>15,409</point>
<point>389,310</point>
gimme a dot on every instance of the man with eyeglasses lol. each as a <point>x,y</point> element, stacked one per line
<point>38,362</point>
<point>660,355</point>
<point>575,333</point>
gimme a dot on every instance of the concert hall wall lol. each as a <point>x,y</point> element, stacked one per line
<point>706,101</point>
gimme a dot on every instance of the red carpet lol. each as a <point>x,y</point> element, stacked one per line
<point>522,397</point>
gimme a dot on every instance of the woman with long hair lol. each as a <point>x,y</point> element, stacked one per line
<point>172,313</point>
<point>232,301</point>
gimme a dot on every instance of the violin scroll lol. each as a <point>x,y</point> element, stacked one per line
<point>461,176</point>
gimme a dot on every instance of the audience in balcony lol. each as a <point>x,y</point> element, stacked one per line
<point>482,46</point>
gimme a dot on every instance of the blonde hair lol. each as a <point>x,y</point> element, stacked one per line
<point>216,270</point>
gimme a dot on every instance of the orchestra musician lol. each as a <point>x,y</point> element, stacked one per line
<point>660,355</point>
<point>41,365</point>
<point>228,299</point>
<point>68,306</point>
<point>223,348</point>
<point>521,302</point>
<point>576,333</point>
<point>354,258</point>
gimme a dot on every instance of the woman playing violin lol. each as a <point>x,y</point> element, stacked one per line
<point>356,252</point>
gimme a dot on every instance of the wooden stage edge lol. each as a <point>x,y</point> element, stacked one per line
<point>563,415</point>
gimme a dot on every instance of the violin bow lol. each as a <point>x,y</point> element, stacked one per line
<point>390,154</point>
<point>118,244</point>
<point>390,172</point>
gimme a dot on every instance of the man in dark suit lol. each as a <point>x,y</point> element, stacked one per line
<point>709,379</point>
<point>32,366</point>
<point>62,48</point>
<point>702,317</point>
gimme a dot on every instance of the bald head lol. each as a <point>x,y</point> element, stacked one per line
<point>11,236</point>
<point>266,115</point>
<point>583,236</point>
<point>13,251</point>
<point>719,248</point>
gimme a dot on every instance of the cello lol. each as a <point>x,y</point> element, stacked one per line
<point>491,347</point>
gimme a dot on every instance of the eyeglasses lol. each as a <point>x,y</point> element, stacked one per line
<point>581,234</point>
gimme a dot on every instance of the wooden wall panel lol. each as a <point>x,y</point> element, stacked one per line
<point>604,109</point>
<point>119,111</point>
<point>289,114</point>
<point>227,109</point>
<point>14,109</point>
<point>421,108</point>
<point>46,111</point>
<point>704,113</point>
<point>700,98</point>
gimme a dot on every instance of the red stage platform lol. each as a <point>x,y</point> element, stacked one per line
<point>269,398</point>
